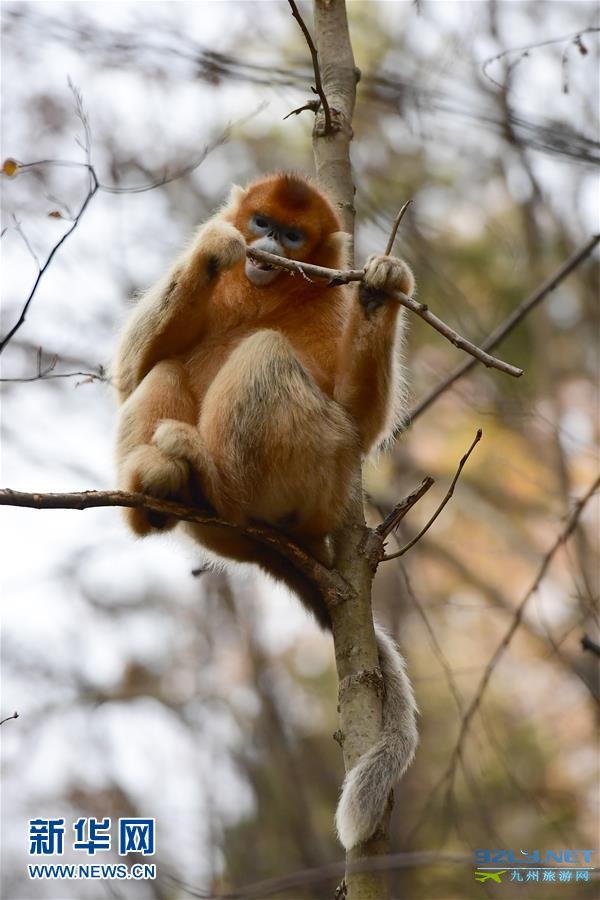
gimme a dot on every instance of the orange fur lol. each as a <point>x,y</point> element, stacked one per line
<point>258,399</point>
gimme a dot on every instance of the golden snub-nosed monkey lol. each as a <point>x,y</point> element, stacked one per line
<point>257,393</point>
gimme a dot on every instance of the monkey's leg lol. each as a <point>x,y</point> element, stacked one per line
<point>283,449</point>
<point>370,383</point>
<point>143,467</point>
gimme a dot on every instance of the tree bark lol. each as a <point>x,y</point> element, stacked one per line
<point>359,676</point>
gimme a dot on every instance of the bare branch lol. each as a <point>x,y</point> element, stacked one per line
<point>588,644</point>
<point>509,323</point>
<point>393,519</point>
<point>491,362</point>
<point>169,178</point>
<point>574,37</point>
<point>394,230</point>
<point>341,276</point>
<point>15,715</point>
<point>449,494</point>
<point>315,61</point>
<point>333,587</point>
<point>94,188</point>
<point>312,105</point>
<point>18,228</point>
<point>81,112</point>
<point>90,194</point>
<point>336,276</point>
<point>517,618</point>
<point>48,374</point>
<point>132,189</point>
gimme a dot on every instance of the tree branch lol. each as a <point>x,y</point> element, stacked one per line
<point>509,323</point>
<point>449,494</point>
<point>393,232</point>
<point>344,276</point>
<point>356,653</point>
<point>96,186</point>
<point>393,519</point>
<point>15,715</point>
<point>92,191</point>
<point>46,373</point>
<point>315,61</point>
<point>517,618</point>
<point>335,589</point>
<point>588,644</point>
<point>574,37</point>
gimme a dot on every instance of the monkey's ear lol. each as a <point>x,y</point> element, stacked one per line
<point>337,246</point>
<point>236,195</point>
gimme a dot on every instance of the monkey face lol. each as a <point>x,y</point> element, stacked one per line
<point>285,215</point>
<point>273,237</point>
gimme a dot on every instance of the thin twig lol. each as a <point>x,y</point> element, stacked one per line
<point>336,276</point>
<point>462,343</point>
<point>315,62</point>
<point>86,144</point>
<point>393,519</point>
<point>15,715</point>
<point>344,276</point>
<point>456,694</point>
<point>517,618</point>
<point>133,189</point>
<point>511,321</point>
<point>394,230</point>
<point>588,644</point>
<point>46,373</point>
<point>95,187</point>
<point>18,228</point>
<point>524,50</point>
<point>448,774</point>
<point>91,193</point>
<point>449,494</point>
<point>312,105</point>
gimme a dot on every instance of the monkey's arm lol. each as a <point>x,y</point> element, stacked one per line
<point>369,382</point>
<point>171,314</point>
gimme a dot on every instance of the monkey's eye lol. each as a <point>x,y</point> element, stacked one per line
<point>293,238</point>
<point>259,224</point>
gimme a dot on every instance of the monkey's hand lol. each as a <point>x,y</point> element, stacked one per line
<point>384,275</point>
<point>222,245</point>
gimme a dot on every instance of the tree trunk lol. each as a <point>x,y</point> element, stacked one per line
<point>360,682</point>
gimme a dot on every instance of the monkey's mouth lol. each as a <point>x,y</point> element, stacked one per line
<point>260,273</point>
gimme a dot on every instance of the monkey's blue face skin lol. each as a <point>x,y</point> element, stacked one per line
<point>272,237</point>
<point>286,235</point>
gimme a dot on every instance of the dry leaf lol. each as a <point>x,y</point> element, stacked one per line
<point>9,166</point>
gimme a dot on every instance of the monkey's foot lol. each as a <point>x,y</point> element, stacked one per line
<point>387,273</point>
<point>383,276</point>
<point>148,471</point>
<point>182,442</point>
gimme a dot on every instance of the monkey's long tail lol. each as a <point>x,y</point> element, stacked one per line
<point>368,784</point>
